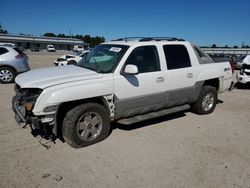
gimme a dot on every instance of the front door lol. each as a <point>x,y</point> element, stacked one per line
<point>143,92</point>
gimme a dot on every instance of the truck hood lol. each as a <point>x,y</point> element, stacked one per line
<point>47,77</point>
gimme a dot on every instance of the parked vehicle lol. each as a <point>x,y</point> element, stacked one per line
<point>21,48</point>
<point>122,81</point>
<point>51,48</point>
<point>78,49</point>
<point>69,59</point>
<point>35,49</point>
<point>12,62</point>
<point>243,76</point>
<point>239,62</point>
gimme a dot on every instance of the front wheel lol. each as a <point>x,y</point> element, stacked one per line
<point>206,101</point>
<point>86,124</point>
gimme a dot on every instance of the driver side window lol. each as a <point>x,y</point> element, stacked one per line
<point>145,58</point>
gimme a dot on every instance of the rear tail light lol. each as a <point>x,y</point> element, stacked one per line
<point>232,66</point>
<point>20,56</point>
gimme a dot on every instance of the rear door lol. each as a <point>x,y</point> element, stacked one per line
<point>3,52</point>
<point>180,85</point>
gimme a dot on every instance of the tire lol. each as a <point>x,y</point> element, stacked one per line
<point>7,75</point>
<point>206,101</point>
<point>71,62</point>
<point>85,125</point>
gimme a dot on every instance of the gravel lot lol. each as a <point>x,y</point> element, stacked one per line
<point>180,150</point>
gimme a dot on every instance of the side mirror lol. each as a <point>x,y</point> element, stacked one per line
<point>131,69</point>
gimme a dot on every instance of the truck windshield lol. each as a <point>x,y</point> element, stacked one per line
<point>103,58</point>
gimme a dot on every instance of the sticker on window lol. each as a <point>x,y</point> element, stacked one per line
<point>115,49</point>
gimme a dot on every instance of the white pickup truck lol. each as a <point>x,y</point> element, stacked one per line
<point>126,81</point>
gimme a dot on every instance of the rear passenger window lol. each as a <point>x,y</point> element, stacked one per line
<point>145,58</point>
<point>18,51</point>
<point>3,51</point>
<point>177,56</point>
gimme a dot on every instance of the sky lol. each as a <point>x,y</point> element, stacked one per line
<point>204,22</point>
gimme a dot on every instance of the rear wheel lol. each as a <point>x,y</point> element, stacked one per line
<point>86,124</point>
<point>206,101</point>
<point>7,75</point>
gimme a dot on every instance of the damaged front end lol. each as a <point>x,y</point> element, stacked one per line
<point>23,103</point>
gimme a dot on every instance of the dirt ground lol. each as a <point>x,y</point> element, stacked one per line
<point>180,150</point>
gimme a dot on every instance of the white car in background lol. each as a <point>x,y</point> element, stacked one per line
<point>243,76</point>
<point>51,48</point>
<point>78,49</point>
<point>70,59</point>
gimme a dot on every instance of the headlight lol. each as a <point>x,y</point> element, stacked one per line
<point>33,92</point>
<point>28,96</point>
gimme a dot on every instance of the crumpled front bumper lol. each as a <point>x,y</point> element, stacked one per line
<point>21,114</point>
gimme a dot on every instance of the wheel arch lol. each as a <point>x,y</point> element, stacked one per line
<point>212,82</point>
<point>63,108</point>
<point>9,66</point>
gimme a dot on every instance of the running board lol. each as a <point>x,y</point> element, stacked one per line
<point>152,115</point>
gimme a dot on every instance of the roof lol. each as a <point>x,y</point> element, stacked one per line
<point>24,38</point>
<point>133,40</point>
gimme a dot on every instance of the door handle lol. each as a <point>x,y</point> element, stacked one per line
<point>160,79</point>
<point>190,75</point>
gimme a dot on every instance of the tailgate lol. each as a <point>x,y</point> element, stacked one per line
<point>227,79</point>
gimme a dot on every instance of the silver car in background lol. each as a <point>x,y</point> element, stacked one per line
<point>12,62</point>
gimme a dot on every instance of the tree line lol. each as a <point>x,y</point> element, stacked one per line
<point>86,38</point>
<point>226,46</point>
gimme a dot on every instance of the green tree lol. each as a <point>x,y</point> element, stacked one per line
<point>93,40</point>
<point>243,45</point>
<point>235,46</point>
<point>87,39</point>
<point>78,37</point>
<point>214,46</point>
<point>97,40</point>
<point>49,35</point>
<point>62,35</point>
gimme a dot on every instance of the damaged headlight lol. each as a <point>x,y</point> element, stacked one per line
<point>28,96</point>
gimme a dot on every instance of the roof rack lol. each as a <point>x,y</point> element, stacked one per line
<point>128,39</point>
<point>145,39</point>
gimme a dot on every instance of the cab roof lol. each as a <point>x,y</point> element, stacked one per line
<point>132,40</point>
